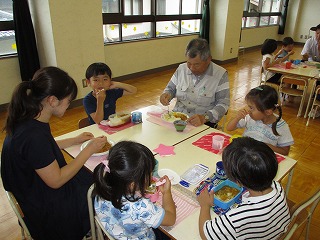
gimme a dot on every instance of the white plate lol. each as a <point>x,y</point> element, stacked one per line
<point>173,176</point>
<point>170,117</point>
<point>96,154</point>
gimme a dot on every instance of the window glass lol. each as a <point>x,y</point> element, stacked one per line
<point>7,38</point>
<point>7,42</point>
<point>252,22</point>
<point>246,5</point>
<point>111,33</point>
<point>254,6</point>
<point>110,6</point>
<point>166,28</point>
<point>190,26</point>
<point>243,22</point>
<point>276,6</point>
<point>274,20</point>
<point>266,5</point>
<point>143,19</point>
<point>261,12</point>
<point>191,6</point>
<point>167,7</point>
<point>131,31</point>
<point>264,21</point>
<point>137,7</point>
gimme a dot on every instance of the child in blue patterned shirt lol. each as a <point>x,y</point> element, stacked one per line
<point>120,188</point>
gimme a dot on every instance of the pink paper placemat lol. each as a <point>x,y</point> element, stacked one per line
<point>112,130</point>
<point>205,142</point>
<point>92,162</point>
<point>155,117</point>
<point>184,206</point>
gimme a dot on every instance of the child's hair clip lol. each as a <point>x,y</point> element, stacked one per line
<point>259,88</point>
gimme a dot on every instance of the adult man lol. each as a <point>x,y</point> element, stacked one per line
<point>200,86</point>
<point>311,48</point>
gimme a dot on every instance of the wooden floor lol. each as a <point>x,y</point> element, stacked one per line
<point>243,75</point>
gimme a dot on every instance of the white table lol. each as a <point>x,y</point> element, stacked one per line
<point>147,133</point>
<point>311,73</point>
<point>186,156</point>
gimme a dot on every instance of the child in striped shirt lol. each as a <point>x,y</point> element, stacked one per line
<point>263,212</point>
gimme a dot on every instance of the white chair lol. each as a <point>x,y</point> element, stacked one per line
<point>315,105</point>
<point>97,229</point>
<point>17,210</point>
<point>286,83</point>
<point>301,215</point>
<point>264,78</point>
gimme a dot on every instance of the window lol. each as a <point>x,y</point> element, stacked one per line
<point>126,20</point>
<point>7,38</point>
<point>258,13</point>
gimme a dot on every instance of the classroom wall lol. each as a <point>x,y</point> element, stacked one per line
<point>70,38</point>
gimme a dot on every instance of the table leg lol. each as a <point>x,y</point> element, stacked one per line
<point>314,83</point>
<point>289,182</point>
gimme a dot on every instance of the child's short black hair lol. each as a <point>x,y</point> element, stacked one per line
<point>98,68</point>
<point>269,46</point>
<point>287,41</point>
<point>250,163</point>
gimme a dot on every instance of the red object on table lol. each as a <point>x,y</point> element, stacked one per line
<point>205,142</point>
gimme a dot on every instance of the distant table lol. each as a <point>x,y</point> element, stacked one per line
<point>309,72</point>
<point>146,133</point>
<point>186,156</point>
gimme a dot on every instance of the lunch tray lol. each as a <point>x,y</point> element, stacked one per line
<point>212,182</point>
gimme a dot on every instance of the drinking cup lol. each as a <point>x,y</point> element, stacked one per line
<point>288,65</point>
<point>136,117</point>
<point>220,173</point>
<point>217,142</point>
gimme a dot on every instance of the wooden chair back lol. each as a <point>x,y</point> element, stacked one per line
<point>84,122</point>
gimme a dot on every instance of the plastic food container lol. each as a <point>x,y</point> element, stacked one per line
<point>118,119</point>
<point>226,205</point>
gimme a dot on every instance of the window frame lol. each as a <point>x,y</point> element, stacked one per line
<point>260,14</point>
<point>120,19</point>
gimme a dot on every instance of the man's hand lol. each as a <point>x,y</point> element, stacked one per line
<point>197,120</point>
<point>165,99</point>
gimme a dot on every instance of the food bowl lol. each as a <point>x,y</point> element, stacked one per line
<point>226,198</point>
<point>180,125</point>
<point>103,151</point>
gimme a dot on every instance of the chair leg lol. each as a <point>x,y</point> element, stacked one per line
<point>22,233</point>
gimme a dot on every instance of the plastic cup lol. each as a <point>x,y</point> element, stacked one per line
<point>217,142</point>
<point>288,65</point>
<point>220,173</point>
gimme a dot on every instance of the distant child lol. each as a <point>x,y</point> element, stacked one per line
<point>269,60</point>
<point>287,48</point>
<point>263,212</point>
<point>261,123</point>
<point>120,186</point>
<point>100,103</point>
